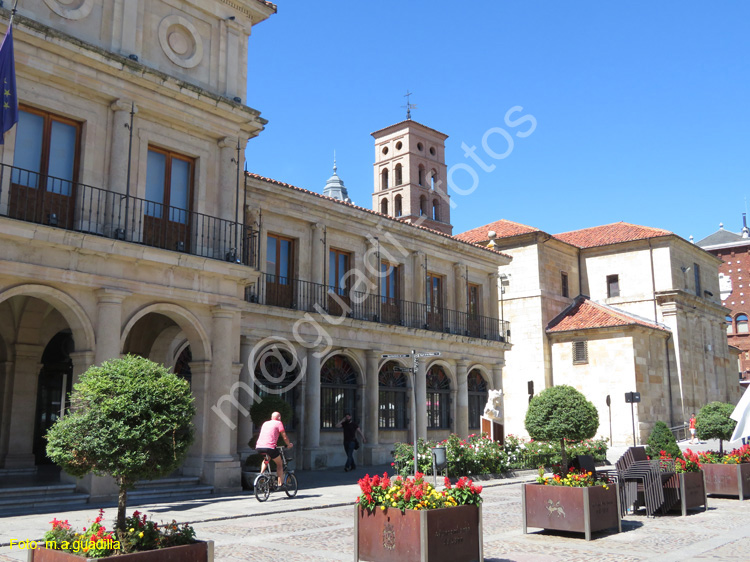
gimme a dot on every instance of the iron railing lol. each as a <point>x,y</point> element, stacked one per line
<point>305,296</point>
<point>29,196</point>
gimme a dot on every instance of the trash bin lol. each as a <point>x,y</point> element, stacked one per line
<point>439,462</point>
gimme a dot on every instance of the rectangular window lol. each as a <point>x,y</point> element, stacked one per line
<point>338,267</point>
<point>279,267</point>
<point>475,308</point>
<point>169,185</point>
<point>580,352</point>
<point>697,270</point>
<point>564,283</point>
<point>434,291</point>
<point>613,286</point>
<point>389,282</point>
<point>45,161</point>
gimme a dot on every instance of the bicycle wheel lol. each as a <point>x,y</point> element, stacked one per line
<point>262,487</point>
<point>290,482</point>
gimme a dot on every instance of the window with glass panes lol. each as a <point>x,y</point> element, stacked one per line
<point>338,391</point>
<point>389,286</point>
<point>477,398</point>
<point>438,398</point>
<point>434,291</point>
<point>474,302</point>
<point>279,258</point>
<point>277,373</point>
<point>338,267</point>
<point>392,398</point>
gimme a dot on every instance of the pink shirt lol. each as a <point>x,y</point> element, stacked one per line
<point>269,434</point>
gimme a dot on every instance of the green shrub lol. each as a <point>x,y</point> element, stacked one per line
<point>713,422</point>
<point>662,439</point>
<point>561,413</point>
<point>131,418</point>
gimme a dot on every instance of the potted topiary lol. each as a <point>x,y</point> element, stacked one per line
<point>579,501</point>
<point>131,419</point>
<point>662,439</point>
<point>725,474</point>
<point>408,520</point>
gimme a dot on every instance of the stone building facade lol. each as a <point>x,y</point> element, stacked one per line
<point>612,309</point>
<point>127,226</point>
<point>734,281</point>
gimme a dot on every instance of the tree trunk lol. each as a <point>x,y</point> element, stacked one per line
<point>721,447</point>
<point>122,500</point>
<point>564,455</point>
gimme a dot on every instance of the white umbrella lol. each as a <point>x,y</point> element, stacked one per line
<point>741,415</point>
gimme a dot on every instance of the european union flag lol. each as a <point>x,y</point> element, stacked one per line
<point>9,110</point>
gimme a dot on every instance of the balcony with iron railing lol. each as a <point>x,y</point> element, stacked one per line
<point>43,199</point>
<point>286,292</point>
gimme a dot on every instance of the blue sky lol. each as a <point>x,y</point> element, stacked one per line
<point>642,109</point>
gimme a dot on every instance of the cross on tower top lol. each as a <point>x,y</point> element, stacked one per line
<point>409,106</point>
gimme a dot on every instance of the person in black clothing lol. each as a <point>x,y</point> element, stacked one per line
<point>350,436</point>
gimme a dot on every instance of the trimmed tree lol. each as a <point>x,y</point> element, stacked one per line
<point>261,411</point>
<point>662,439</point>
<point>559,413</point>
<point>713,422</point>
<point>131,419</point>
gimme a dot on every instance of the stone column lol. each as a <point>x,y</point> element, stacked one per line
<point>317,253</point>
<point>6,397</point>
<point>497,376</point>
<point>114,214</point>
<point>199,386</point>
<point>493,311</point>
<point>420,393</point>
<point>420,275</point>
<point>459,274</point>
<point>221,465</point>
<point>227,172</point>
<point>372,403</point>
<point>312,411</point>
<point>23,406</point>
<point>462,399</point>
<point>108,323</point>
<point>245,425</point>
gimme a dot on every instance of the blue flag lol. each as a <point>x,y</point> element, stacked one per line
<point>9,110</point>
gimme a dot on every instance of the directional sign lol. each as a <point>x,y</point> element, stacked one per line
<point>402,370</point>
<point>395,355</point>
<point>433,354</point>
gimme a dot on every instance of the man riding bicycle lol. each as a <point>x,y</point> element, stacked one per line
<point>266,444</point>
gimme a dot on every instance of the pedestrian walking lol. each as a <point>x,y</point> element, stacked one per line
<point>351,429</point>
<point>692,429</point>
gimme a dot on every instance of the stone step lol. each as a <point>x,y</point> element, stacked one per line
<point>163,494</point>
<point>43,503</point>
<point>36,491</point>
<point>174,482</point>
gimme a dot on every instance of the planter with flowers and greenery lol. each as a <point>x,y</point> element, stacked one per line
<point>728,474</point>
<point>408,520</point>
<point>141,541</point>
<point>691,479</point>
<point>131,419</point>
<point>577,501</point>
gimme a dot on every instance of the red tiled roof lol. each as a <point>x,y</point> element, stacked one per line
<point>503,228</point>
<point>584,314</point>
<point>610,234</point>
<point>370,211</point>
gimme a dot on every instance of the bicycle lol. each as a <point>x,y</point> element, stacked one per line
<point>266,481</point>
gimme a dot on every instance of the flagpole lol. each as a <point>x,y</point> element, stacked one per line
<point>12,14</point>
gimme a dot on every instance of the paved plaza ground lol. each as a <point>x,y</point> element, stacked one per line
<point>318,525</point>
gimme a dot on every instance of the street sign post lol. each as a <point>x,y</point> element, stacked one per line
<point>631,398</point>
<point>413,370</point>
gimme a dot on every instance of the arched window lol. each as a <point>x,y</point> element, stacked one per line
<point>741,320</point>
<point>182,365</point>
<point>384,179</point>
<point>384,206</point>
<point>398,204</point>
<point>277,373</point>
<point>338,391</point>
<point>438,398</point>
<point>433,179</point>
<point>477,398</point>
<point>397,175</point>
<point>422,205</point>
<point>435,210</point>
<point>392,398</point>
<point>420,178</point>
<point>729,324</point>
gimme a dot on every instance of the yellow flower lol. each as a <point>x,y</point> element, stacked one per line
<point>382,507</point>
<point>140,534</point>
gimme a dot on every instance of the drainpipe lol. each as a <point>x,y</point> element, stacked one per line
<point>653,279</point>
<point>669,381</point>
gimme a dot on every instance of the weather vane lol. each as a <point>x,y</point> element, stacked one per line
<point>409,106</point>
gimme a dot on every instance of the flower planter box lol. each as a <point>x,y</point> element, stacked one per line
<point>562,508</point>
<point>197,552</point>
<point>727,479</point>
<point>451,534</point>
<point>692,491</point>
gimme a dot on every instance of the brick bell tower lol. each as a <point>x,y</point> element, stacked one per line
<point>410,175</point>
